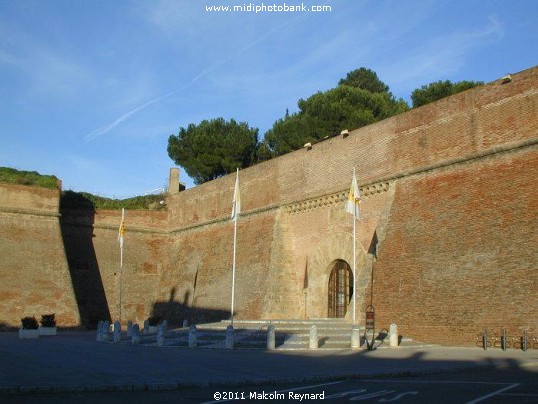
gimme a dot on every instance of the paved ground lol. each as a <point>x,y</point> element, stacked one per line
<point>481,385</point>
<point>74,361</point>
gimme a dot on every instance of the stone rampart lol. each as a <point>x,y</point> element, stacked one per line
<point>446,246</point>
<point>33,268</point>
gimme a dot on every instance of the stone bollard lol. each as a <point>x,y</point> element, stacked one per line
<point>129,328</point>
<point>146,327</point>
<point>116,337</point>
<point>185,324</point>
<point>355,336</point>
<point>99,336</point>
<point>271,337</point>
<point>193,341</point>
<point>160,334</point>
<point>504,340</point>
<point>135,335</point>
<point>313,343</point>
<point>105,330</point>
<point>393,336</point>
<point>229,337</point>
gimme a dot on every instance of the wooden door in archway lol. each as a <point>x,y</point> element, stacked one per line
<point>340,289</point>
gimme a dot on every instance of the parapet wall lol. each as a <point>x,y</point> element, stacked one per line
<point>28,199</point>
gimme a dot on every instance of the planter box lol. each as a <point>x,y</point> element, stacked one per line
<point>47,330</point>
<point>24,334</point>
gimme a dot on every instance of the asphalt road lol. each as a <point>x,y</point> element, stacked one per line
<point>510,385</point>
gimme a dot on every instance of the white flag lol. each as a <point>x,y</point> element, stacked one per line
<point>236,203</point>
<point>121,230</point>
<point>354,199</point>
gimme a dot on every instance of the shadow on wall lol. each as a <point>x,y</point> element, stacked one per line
<point>176,312</point>
<point>76,223</point>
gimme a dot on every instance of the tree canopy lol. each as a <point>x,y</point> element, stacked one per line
<point>213,148</point>
<point>360,99</point>
<point>366,79</point>
<point>438,90</point>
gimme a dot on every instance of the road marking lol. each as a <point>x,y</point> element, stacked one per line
<point>429,381</point>
<point>519,395</point>
<point>371,395</point>
<point>387,400</point>
<point>309,387</point>
<point>499,392</point>
<point>280,391</point>
<point>495,393</point>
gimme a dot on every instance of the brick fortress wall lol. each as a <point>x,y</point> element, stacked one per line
<point>448,201</point>
<point>448,234</point>
<point>33,269</point>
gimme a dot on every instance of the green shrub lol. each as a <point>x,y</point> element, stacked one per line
<point>13,176</point>
<point>29,323</point>
<point>84,200</point>
<point>48,320</point>
<point>79,200</point>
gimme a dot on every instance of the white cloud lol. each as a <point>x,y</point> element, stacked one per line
<point>441,56</point>
<point>46,71</point>
<point>127,115</point>
<point>171,16</point>
<point>55,74</point>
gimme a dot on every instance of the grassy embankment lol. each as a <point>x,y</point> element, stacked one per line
<point>78,200</point>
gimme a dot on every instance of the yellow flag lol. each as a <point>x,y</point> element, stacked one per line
<point>236,203</point>
<point>354,199</point>
<point>121,230</point>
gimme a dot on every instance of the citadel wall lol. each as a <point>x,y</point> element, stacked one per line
<point>446,247</point>
<point>470,135</point>
<point>33,268</point>
<point>466,259</point>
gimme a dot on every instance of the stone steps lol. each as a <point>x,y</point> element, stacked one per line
<point>252,334</point>
<point>333,334</point>
<point>293,334</point>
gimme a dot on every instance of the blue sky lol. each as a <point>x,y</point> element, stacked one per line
<point>92,89</point>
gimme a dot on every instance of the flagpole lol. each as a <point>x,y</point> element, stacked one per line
<point>236,209</point>
<point>121,256</point>
<point>233,272</point>
<point>354,259</point>
<point>352,207</point>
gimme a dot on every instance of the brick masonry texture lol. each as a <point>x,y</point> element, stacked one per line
<point>466,259</point>
<point>446,247</point>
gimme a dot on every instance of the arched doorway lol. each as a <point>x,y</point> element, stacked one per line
<point>340,289</point>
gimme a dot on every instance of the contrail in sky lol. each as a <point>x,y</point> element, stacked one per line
<point>101,131</point>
